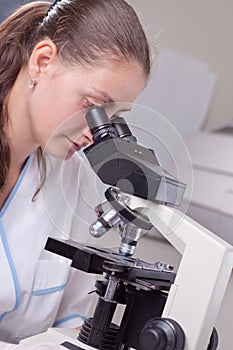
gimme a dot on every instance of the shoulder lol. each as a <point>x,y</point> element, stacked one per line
<point>72,175</point>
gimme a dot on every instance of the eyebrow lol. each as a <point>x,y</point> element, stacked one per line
<point>104,94</point>
<point>107,98</point>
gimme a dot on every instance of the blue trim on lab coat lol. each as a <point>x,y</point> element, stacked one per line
<point>13,271</point>
<point>48,290</point>
<point>15,189</point>
<point>5,243</point>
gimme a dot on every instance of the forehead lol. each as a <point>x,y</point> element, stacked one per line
<point>114,82</point>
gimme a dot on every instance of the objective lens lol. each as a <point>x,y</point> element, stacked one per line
<point>107,220</point>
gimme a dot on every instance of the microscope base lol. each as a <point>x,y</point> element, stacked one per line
<point>60,336</point>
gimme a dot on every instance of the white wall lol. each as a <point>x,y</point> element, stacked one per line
<point>203,30</point>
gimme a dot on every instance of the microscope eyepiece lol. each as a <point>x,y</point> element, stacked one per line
<point>122,128</point>
<point>104,128</point>
<point>100,124</point>
<point>97,117</point>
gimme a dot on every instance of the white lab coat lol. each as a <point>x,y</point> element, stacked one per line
<point>39,289</point>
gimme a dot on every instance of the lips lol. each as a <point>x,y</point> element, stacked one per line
<point>75,147</point>
<point>83,142</point>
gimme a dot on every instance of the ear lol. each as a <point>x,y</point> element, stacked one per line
<point>42,57</point>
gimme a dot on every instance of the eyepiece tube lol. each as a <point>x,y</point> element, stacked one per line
<point>100,124</point>
<point>122,128</point>
<point>97,117</point>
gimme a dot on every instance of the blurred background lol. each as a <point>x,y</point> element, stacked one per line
<point>198,29</point>
<point>202,30</point>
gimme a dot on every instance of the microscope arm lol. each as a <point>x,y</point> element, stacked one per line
<point>203,274</point>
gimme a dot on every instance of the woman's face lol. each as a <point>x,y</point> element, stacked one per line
<point>60,99</point>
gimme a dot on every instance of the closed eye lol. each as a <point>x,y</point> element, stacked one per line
<point>90,104</point>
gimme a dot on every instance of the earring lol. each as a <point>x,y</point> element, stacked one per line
<point>32,84</point>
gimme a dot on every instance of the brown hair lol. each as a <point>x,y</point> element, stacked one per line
<point>84,31</point>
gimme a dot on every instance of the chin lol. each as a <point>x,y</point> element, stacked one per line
<point>60,155</point>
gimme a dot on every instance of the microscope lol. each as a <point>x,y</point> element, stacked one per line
<point>163,310</point>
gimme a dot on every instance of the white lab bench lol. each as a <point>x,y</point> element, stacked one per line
<point>212,196</point>
<point>212,204</point>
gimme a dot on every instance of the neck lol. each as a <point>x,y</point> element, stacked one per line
<point>21,139</point>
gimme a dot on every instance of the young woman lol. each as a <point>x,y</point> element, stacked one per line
<point>56,61</point>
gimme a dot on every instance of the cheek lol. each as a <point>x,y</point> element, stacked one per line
<point>51,116</point>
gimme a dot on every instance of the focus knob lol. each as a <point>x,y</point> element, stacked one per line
<point>162,334</point>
